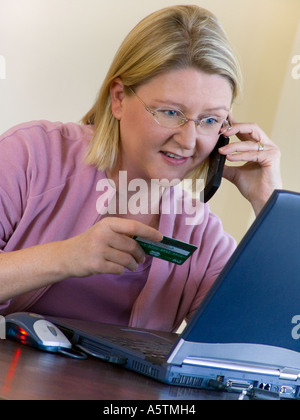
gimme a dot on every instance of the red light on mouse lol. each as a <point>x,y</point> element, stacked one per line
<point>23,335</point>
<point>23,332</point>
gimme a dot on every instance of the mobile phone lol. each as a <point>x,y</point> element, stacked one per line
<point>215,170</point>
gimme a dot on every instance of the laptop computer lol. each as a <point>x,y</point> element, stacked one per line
<point>246,333</point>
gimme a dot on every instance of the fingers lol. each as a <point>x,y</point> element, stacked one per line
<point>130,252</point>
<point>260,175</point>
<point>248,132</point>
<point>255,146</point>
<point>117,261</point>
<point>107,247</point>
<point>247,151</point>
<point>125,251</point>
<point>134,228</point>
<point>118,249</point>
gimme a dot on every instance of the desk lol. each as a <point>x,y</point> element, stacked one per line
<point>29,374</point>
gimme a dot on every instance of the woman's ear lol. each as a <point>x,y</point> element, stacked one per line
<point>117,95</point>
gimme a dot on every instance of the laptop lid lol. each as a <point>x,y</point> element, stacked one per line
<point>255,302</point>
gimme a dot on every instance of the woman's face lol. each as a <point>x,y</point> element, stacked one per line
<point>149,151</point>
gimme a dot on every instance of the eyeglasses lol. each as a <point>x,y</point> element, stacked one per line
<point>174,118</point>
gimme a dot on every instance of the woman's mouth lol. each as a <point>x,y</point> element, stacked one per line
<point>173,158</point>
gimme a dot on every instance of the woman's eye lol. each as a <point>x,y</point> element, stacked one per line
<point>170,113</point>
<point>210,121</point>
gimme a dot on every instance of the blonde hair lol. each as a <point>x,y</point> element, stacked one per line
<point>172,38</point>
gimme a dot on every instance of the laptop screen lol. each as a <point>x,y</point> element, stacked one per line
<point>256,298</point>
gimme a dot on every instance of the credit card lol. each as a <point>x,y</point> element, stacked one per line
<point>168,249</point>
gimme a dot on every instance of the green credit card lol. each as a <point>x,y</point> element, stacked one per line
<point>168,249</point>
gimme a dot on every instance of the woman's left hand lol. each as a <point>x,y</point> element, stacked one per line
<point>260,176</point>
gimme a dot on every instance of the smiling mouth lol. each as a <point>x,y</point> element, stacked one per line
<point>173,156</point>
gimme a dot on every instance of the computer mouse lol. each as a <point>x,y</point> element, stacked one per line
<point>34,330</point>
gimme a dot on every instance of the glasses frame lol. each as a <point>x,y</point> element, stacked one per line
<point>185,120</point>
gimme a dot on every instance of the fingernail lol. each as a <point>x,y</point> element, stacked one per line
<point>142,260</point>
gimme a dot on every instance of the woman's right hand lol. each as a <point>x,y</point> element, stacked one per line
<point>107,247</point>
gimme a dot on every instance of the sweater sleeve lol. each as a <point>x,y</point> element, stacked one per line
<point>41,178</point>
<point>14,173</point>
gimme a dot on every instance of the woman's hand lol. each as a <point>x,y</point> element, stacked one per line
<point>107,247</point>
<point>260,175</point>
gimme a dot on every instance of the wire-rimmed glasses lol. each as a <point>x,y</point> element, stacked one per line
<point>173,118</point>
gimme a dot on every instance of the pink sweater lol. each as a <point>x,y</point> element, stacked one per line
<point>48,193</point>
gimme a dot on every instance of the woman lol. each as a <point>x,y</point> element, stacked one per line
<point>67,246</point>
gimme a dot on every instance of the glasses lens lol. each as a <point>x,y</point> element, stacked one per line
<point>213,125</point>
<point>224,126</point>
<point>173,118</point>
<point>169,118</point>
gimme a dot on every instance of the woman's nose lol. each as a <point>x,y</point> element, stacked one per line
<point>186,136</point>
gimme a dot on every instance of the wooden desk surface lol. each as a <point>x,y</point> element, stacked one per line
<point>29,374</point>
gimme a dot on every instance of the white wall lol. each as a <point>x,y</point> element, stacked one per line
<point>54,55</point>
<point>286,128</point>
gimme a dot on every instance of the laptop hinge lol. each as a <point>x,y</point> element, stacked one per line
<point>289,374</point>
